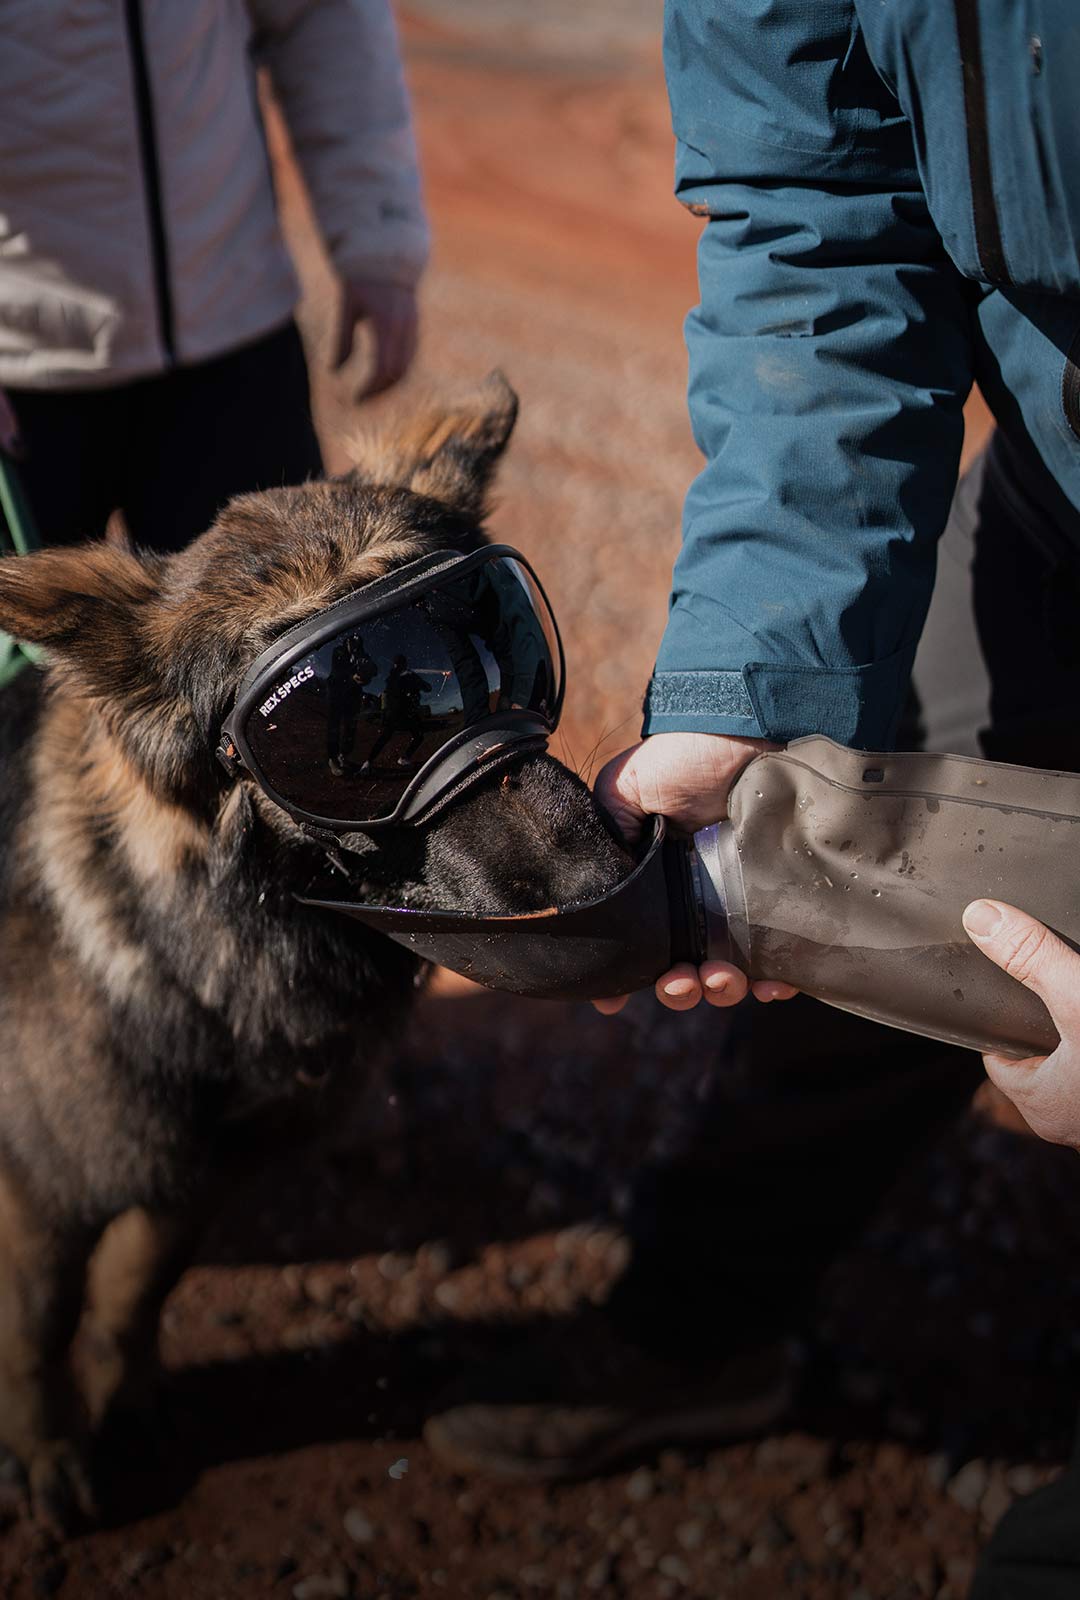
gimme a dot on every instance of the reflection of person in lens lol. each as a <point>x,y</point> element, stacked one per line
<point>401,712</point>
<point>517,642</point>
<point>492,605</point>
<point>351,670</point>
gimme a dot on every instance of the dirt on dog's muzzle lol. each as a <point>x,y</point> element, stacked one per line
<point>843,873</point>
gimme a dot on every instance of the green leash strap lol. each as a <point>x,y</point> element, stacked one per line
<point>18,535</point>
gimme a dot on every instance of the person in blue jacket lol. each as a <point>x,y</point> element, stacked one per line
<point>890,193</point>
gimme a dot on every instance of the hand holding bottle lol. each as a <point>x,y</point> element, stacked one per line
<point>1044,1089</point>
<point>684,777</point>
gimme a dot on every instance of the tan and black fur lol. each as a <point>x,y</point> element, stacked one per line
<point>159,984</point>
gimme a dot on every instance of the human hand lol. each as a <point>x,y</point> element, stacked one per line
<point>1044,1089</point>
<point>10,438</point>
<point>684,777</point>
<point>392,311</point>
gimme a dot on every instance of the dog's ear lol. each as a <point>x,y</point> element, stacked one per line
<point>449,452</point>
<point>81,603</point>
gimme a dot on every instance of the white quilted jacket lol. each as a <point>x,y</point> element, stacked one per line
<point>137,218</point>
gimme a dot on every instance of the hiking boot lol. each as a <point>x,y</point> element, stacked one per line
<point>633,1410</point>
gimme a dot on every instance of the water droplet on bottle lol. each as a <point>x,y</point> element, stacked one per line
<point>876,893</point>
<point>853,874</point>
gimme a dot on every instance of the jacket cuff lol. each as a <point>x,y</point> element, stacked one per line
<point>381,264</point>
<point>857,706</point>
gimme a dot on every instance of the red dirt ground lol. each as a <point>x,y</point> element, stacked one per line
<point>481,1184</point>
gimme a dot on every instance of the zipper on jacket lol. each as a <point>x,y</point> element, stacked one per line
<point>987,228</point>
<point>1070,386</point>
<point>144,107</point>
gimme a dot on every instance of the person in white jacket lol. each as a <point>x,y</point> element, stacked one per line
<point>149,361</point>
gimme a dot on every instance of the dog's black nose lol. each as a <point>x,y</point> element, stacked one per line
<point>530,839</point>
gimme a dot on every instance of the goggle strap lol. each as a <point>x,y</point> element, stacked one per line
<point>482,769</point>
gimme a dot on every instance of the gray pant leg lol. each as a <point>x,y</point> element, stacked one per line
<point>951,678</point>
<point>998,668</point>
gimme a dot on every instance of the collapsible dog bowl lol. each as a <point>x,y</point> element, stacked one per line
<point>604,947</point>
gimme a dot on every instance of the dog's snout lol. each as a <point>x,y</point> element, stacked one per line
<point>531,839</point>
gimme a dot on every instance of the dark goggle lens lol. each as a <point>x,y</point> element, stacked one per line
<point>353,722</point>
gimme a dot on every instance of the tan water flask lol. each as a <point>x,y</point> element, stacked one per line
<point>847,875</point>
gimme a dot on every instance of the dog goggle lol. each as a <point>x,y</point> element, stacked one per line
<point>384,706</point>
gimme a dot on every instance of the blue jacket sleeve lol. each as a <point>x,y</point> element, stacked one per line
<point>829,360</point>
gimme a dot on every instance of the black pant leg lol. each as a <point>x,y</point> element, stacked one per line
<point>199,435</point>
<point>812,1116</point>
<point>70,469</point>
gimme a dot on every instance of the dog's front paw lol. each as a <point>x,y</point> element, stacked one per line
<point>61,1496</point>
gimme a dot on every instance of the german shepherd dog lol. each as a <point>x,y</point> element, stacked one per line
<point>159,984</point>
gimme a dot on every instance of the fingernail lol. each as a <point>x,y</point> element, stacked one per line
<point>719,980</point>
<point>982,919</point>
<point>678,986</point>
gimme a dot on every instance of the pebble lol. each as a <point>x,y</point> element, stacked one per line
<point>830,1512</point>
<point>641,1485</point>
<point>599,1574</point>
<point>359,1528</point>
<point>566,1589</point>
<point>644,1554</point>
<point>691,1535</point>
<point>534,1576</point>
<point>969,1485</point>
<point>146,1559</point>
<point>330,1586</point>
<point>997,1499</point>
<point>673,1566</point>
<point>394,1265</point>
<point>321,1286</point>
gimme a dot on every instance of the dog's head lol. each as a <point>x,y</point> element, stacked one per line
<point>154,647</point>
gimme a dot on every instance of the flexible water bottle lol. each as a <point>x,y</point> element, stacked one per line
<point>847,875</point>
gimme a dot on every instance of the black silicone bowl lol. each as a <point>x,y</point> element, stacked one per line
<point>604,947</point>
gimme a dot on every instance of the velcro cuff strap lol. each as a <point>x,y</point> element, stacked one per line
<point>857,706</point>
<point>699,694</point>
